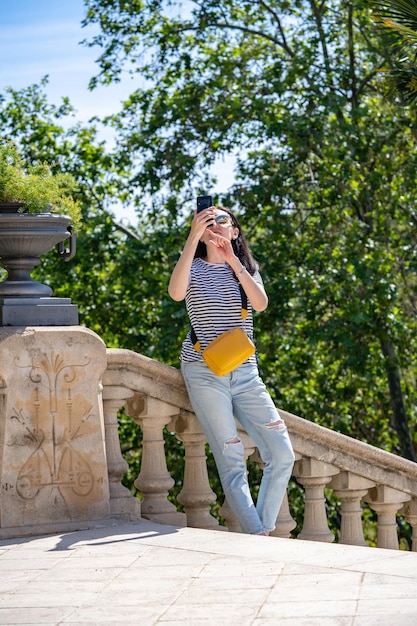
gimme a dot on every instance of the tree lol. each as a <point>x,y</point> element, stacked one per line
<point>325,182</point>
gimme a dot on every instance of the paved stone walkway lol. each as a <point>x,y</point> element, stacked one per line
<point>143,574</point>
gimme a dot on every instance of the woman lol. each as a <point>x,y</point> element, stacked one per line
<point>214,261</point>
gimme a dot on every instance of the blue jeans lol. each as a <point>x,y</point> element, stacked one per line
<point>216,400</point>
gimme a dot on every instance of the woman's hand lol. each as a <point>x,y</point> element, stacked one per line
<point>200,222</point>
<point>222,244</point>
<point>225,253</point>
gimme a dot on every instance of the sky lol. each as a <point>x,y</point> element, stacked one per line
<point>39,37</point>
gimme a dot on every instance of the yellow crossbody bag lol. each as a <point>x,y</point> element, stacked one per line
<point>230,349</point>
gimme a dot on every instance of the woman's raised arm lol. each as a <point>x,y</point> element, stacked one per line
<point>178,283</point>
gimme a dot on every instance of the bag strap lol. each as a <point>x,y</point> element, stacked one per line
<point>243,311</point>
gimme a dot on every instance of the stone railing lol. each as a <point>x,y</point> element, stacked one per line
<point>154,396</point>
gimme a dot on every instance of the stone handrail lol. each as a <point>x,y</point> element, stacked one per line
<point>154,395</point>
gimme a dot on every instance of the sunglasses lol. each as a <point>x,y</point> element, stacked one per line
<point>223,219</point>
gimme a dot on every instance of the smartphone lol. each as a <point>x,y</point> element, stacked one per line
<point>204,202</point>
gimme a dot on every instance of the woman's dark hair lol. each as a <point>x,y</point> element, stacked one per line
<point>240,246</point>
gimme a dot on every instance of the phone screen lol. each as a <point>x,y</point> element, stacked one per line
<point>204,202</point>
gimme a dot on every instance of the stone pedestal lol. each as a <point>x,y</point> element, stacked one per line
<point>21,311</point>
<point>53,471</point>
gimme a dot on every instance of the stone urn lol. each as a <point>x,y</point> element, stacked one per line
<point>23,239</point>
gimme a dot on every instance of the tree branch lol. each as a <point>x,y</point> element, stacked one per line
<point>270,10</point>
<point>125,230</point>
<point>243,29</point>
<point>352,69</point>
<point>317,11</point>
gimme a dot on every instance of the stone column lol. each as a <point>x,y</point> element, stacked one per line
<point>154,480</point>
<point>351,488</point>
<point>314,476</point>
<point>285,521</point>
<point>387,501</point>
<point>409,510</point>
<point>52,456</point>
<point>122,503</point>
<point>196,495</point>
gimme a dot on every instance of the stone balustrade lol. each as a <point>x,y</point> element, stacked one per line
<point>154,396</point>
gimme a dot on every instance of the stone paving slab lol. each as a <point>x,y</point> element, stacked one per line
<point>141,574</point>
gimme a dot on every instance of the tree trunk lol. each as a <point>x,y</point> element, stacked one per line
<point>397,400</point>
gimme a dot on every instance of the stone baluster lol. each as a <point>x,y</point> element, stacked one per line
<point>410,513</point>
<point>285,522</point>
<point>154,480</point>
<point>314,475</point>
<point>121,500</point>
<point>351,488</point>
<point>196,495</point>
<point>230,518</point>
<point>387,501</point>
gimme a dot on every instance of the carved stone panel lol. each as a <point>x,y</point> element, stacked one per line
<point>52,456</point>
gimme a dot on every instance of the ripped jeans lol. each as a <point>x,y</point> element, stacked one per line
<point>216,400</point>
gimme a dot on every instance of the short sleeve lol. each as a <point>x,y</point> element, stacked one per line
<point>258,278</point>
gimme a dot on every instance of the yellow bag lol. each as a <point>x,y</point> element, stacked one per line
<point>228,351</point>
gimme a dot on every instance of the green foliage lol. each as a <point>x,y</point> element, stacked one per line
<point>35,186</point>
<point>130,435</point>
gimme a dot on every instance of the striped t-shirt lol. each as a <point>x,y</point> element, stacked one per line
<point>214,305</point>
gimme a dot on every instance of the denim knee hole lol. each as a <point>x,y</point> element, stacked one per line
<point>278,425</point>
<point>229,441</point>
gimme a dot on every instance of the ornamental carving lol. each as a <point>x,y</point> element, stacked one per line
<point>51,423</point>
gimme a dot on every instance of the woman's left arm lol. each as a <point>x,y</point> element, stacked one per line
<point>255,291</point>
